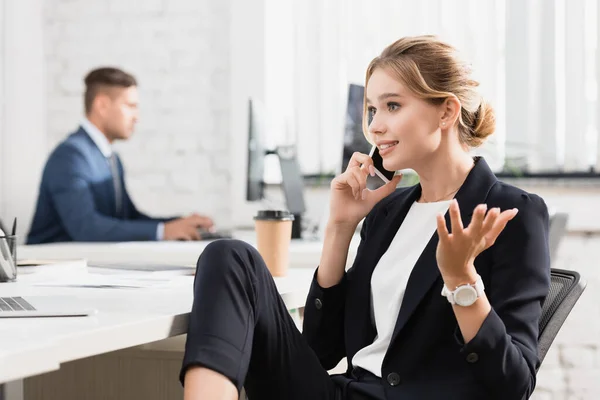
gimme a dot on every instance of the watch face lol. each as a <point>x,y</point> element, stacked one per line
<point>465,296</point>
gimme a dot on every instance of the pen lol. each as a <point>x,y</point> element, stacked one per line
<point>3,228</point>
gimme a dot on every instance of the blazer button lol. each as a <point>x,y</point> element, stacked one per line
<point>318,304</point>
<point>472,358</point>
<point>393,379</point>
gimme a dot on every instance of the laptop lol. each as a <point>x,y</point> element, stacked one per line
<point>42,306</point>
<point>214,235</point>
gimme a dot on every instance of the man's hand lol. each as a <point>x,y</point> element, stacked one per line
<point>187,228</point>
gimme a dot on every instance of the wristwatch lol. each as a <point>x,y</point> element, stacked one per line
<point>464,295</point>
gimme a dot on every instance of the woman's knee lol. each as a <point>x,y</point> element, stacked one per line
<point>226,254</point>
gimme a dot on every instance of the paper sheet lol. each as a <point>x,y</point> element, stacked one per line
<point>144,280</point>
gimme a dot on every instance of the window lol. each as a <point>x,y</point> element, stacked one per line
<point>535,60</point>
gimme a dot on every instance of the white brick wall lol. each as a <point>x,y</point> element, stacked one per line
<point>177,161</point>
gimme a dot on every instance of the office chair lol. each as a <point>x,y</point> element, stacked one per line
<point>565,289</point>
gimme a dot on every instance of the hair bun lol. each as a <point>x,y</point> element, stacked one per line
<point>484,123</point>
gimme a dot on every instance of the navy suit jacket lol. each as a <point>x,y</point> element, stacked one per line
<point>77,199</point>
<point>427,358</point>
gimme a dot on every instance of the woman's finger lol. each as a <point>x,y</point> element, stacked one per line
<point>477,221</point>
<point>359,159</point>
<point>500,224</point>
<point>361,178</point>
<point>442,229</point>
<point>455,220</point>
<point>354,184</point>
<point>489,220</point>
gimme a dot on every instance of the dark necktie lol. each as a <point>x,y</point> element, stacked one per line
<point>114,170</point>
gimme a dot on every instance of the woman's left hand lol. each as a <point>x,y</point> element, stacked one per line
<point>456,251</point>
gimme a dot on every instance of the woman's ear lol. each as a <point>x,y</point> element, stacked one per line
<point>450,110</point>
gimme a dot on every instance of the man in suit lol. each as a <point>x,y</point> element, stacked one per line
<point>82,195</point>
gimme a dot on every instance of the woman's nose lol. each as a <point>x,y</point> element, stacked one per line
<point>377,126</point>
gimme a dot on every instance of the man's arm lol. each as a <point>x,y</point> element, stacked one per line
<point>72,196</point>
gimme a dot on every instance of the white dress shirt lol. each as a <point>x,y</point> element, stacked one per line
<point>390,277</point>
<point>105,148</point>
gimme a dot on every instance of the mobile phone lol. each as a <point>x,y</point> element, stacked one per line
<point>381,172</point>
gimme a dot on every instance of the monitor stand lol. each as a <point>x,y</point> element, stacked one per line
<point>292,184</point>
<point>297,227</point>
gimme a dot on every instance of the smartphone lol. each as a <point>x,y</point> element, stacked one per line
<point>381,172</point>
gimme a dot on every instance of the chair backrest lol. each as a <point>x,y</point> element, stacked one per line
<point>565,289</point>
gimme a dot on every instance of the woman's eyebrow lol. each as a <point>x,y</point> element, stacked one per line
<point>385,96</point>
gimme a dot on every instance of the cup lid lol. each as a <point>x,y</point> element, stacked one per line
<point>274,215</point>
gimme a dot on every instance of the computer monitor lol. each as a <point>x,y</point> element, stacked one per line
<point>256,151</point>
<point>354,138</point>
<point>292,183</point>
<point>291,177</point>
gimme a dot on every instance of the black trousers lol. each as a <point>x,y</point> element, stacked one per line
<point>240,327</point>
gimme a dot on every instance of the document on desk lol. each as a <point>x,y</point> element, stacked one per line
<point>142,267</point>
<point>163,247</point>
<point>56,266</point>
<point>117,281</point>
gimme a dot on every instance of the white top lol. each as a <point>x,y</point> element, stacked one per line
<point>390,277</point>
<point>97,137</point>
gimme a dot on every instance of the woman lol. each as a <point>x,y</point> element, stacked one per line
<point>423,313</point>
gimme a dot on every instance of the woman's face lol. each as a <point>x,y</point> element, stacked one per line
<point>405,128</point>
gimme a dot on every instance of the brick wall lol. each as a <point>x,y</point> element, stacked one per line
<point>177,161</point>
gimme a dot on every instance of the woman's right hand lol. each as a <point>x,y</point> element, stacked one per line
<point>351,201</point>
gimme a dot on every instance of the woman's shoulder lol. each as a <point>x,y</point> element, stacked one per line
<point>507,196</point>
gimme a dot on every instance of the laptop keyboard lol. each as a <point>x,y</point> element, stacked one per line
<point>14,304</point>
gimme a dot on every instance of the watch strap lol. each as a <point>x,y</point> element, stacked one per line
<point>477,285</point>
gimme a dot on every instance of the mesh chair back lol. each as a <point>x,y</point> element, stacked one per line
<point>565,289</point>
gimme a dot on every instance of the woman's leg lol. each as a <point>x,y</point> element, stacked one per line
<point>240,328</point>
<point>205,384</point>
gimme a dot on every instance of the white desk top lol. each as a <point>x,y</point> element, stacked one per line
<point>126,318</point>
<point>303,253</point>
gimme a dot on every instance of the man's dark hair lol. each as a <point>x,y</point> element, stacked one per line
<point>105,78</point>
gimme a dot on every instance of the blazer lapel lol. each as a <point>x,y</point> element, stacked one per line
<point>395,214</point>
<point>425,272</point>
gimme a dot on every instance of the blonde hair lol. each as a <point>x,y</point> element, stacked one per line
<point>431,70</point>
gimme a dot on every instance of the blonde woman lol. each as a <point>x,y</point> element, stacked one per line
<point>444,298</point>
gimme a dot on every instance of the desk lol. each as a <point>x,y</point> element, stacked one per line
<point>126,318</point>
<point>303,253</point>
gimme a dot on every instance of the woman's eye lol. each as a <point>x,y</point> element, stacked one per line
<point>371,112</point>
<point>393,106</point>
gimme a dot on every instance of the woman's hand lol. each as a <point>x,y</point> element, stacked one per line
<point>350,199</point>
<point>456,252</point>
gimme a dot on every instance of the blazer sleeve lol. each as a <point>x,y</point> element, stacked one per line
<point>71,195</point>
<point>503,355</point>
<point>323,325</point>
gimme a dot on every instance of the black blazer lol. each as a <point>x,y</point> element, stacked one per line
<point>427,358</point>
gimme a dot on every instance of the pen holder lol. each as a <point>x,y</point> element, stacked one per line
<point>8,258</point>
